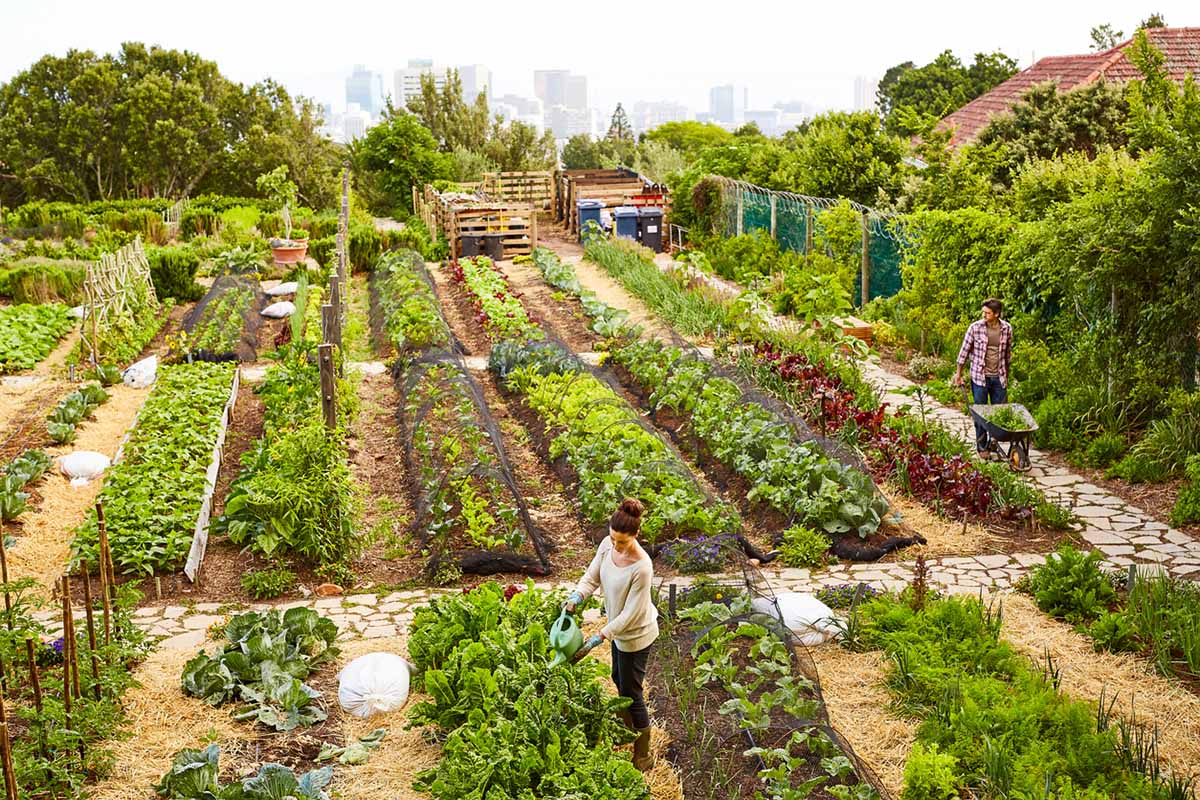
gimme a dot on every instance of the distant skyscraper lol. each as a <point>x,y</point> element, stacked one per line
<point>651,115</point>
<point>558,87</point>
<point>363,87</point>
<point>476,79</point>
<point>727,104</point>
<point>408,80</point>
<point>864,93</point>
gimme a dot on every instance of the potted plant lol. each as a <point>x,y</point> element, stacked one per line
<point>276,186</point>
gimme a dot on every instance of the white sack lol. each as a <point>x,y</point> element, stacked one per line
<point>283,288</point>
<point>373,684</point>
<point>279,310</point>
<point>803,614</point>
<point>142,374</point>
<point>83,465</point>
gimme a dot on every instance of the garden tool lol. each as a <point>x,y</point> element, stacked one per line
<point>566,638</point>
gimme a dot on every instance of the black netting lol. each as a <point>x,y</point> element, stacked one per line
<point>764,610</point>
<point>233,302</point>
<point>454,407</point>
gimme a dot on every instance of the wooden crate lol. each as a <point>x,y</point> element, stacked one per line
<point>520,187</point>
<point>518,223</point>
<point>613,188</point>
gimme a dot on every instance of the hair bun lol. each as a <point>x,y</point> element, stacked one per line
<point>632,507</point>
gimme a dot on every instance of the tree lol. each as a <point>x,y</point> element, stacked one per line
<point>689,136</point>
<point>1048,123</point>
<point>149,121</point>
<point>447,115</point>
<point>840,155</point>
<point>1104,37</point>
<point>1155,20</point>
<point>394,156</point>
<point>619,129</point>
<point>516,147</point>
<point>919,94</point>
<point>883,92</point>
<point>582,152</point>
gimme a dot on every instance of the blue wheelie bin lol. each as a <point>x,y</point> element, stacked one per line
<point>626,220</point>
<point>589,211</point>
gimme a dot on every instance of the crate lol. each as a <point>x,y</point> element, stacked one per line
<point>520,187</point>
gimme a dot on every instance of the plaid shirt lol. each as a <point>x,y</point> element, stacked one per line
<point>974,346</point>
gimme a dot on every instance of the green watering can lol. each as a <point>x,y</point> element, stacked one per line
<point>565,637</point>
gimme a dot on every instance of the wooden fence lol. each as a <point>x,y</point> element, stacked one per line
<point>115,289</point>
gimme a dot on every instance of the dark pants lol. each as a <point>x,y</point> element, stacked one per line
<point>991,393</point>
<point>628,672</point>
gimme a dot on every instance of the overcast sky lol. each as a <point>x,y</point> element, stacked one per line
<point>630,51</point>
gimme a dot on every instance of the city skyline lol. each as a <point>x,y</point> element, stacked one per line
<point>781,57</point>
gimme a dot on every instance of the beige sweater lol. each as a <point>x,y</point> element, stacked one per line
<point>632,618</point>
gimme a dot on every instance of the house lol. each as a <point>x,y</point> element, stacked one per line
<point>1180,46</point>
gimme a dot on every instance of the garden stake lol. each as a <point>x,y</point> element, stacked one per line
<point>7,603</point>
<point>104,586</point>
<point>91,624</point>
<point>37,695</point>
<point>10,779</point>
<point>70,654</point>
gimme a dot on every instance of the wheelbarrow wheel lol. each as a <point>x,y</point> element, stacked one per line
<point>1018,456</point>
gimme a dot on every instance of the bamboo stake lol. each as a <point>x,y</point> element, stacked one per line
<point>91,628</point>
<point>7,604</point>
<point>37,694</point>
<point>10,779</point>
<point>69,636</point>
<point>104,586</point>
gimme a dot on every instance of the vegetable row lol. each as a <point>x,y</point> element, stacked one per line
<point>411,320</point>
<point>601,436</point>
<point>795,478</point>
<point>29,332</point>
<point>497,307</point>
<point>152,496</point>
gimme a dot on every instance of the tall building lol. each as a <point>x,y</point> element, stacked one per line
<point>767,119</point>
<point>408,79</point>
<point>355,123</point>
<point>864,93</point>
<point>727,104</point>
<point>558,87</point>
<point>522,109</point>
<point>575,93</point>
<point>476,79</point>
<point>650,115</point>
<point>364,88</point>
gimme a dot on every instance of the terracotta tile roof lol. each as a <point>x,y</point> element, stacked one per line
<point>1181,46</point>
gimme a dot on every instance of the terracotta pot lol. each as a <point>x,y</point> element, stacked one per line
<point>290,254</point>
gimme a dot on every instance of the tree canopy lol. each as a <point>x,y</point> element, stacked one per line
<point>152,122</point>
<point>688,136</point>
<point>912,98</point>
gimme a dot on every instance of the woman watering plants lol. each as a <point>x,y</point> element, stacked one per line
<point>624,571</point>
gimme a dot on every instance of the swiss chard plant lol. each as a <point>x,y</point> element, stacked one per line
<point>497,307</point>
<point>29,332</point>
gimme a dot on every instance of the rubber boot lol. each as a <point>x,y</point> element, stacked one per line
<point>641,750</point>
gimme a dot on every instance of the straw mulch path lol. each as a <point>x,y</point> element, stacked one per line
<point>946,537</point>
<point>162,721</point>
<point>45,534</point>
<point>1155,700</point>
<point>858,704</point>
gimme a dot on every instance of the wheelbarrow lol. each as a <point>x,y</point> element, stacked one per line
<point>1017,441</point>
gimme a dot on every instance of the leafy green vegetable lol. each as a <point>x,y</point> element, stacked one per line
<point>152,496</point>
<point>29,332</point>
<point>266,657</point>
<point>411,317</point>
<point>194,775</point>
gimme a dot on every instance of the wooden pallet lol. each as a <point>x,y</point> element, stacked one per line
<point>520,187</point>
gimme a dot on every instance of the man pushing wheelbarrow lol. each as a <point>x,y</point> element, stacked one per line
<point>988,345</point>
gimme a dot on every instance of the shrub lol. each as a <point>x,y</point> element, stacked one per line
<point>804,547</point>
<point>922,368</point>
<point>37,280</point>
<point>1104,450</point>
<point>1071,585</point>
<point>267,584</point>
<point>1058,427</point>
<point>1187,505</point>
<point>1170,441</point>
<point>324,251</point>
<point>1138,468</point>
<point>199,220</point>
<point>365,247</point>
<point>173,270</point>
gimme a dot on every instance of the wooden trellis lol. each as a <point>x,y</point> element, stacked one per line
<point>117,287</point>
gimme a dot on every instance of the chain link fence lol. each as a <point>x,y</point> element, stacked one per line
<point>793,221</point>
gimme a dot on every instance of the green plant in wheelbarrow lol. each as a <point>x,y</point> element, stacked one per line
<point>1010,419</point>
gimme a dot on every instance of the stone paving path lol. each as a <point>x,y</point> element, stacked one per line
<point>1124,533</point>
